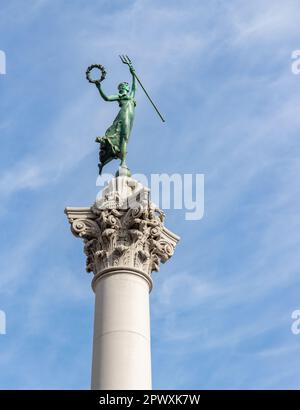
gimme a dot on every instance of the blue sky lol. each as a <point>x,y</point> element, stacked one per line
<point>221,74</point>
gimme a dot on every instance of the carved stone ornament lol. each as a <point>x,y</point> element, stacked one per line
<point>123,229</point>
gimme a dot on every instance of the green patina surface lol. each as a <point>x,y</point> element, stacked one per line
<point>113,144</point>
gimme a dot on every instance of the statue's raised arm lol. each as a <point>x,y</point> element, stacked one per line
<point>133,84</point>
<point>103,95</point>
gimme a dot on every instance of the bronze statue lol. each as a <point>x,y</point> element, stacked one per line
<point>113,144</point>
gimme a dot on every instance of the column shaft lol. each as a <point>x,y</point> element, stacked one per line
<point>121,346</point>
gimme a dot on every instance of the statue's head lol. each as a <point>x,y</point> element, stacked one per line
<point>123,88</point>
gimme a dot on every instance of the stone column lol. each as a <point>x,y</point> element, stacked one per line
<point>124,240</point>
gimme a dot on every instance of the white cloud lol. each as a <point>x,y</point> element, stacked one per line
<point>24,175</point>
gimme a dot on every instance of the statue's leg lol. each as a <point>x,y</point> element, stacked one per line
<point>123,151</point>
<point>124,140</point>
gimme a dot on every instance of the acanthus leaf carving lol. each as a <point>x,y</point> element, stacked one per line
<point>127,237</point>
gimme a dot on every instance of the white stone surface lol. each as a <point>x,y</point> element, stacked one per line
<point>121,354</point>
<point>124,240</point>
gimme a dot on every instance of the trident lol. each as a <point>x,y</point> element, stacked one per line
<point>126,60</point>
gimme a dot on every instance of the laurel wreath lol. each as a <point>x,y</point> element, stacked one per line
<point>90,68</point>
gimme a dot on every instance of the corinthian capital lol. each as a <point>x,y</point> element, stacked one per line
<point>123,229</point>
